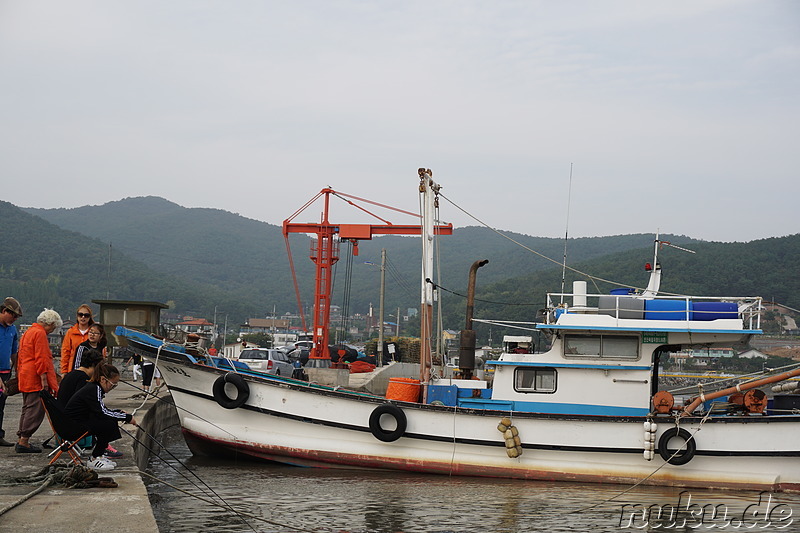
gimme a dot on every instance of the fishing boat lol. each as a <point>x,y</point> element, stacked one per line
<point>584,403</point>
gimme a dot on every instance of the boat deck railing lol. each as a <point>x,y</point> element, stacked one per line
<point>658,307</point>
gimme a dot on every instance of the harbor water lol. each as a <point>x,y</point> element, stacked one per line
<point>269,498</point>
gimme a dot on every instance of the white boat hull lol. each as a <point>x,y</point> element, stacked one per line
<point>296,423</point>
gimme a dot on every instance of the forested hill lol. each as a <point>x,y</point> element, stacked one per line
<point>766,268</point>
<point>241,256</point>
<point>248,257</point>
<point>44,265</point>
<point>202,258</point>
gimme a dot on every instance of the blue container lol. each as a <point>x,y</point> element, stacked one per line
<point>442,393</point>
<point>706,311</point>
<point>665,310</point>
<point>623,291</point>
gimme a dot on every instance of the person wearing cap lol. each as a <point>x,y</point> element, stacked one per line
<point>74,337</point>
<point>9,343</point>
<point>35,372</point>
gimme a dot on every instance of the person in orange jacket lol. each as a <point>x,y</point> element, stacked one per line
<point>74,337</point>
<point>35,372</point>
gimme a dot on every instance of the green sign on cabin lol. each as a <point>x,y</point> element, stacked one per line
<point>654,338</point>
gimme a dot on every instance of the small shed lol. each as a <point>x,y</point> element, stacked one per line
<point>144,316</point>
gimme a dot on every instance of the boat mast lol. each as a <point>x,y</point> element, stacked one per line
<point>428,190</point>
<point>655,269</point>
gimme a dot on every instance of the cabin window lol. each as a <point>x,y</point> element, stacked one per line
<point>134,318</point>
<point>601,346</point>
<point>535,380</point>
<point>585,346</point>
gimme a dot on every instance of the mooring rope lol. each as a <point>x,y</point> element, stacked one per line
<point>158,353</point>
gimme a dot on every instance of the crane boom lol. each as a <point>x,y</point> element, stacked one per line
<point>325,254</point>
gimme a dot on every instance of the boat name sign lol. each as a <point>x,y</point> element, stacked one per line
<point>649,337</point>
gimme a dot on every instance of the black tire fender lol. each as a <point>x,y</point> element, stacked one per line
<point>242,390</point>
<point>375,422</point>
<point>683,456</point>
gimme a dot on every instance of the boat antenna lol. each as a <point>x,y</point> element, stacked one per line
<point>566,236</point>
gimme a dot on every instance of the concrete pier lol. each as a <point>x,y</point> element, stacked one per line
<point>125,509</point>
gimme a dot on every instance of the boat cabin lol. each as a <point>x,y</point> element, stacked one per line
<point>604,351</point>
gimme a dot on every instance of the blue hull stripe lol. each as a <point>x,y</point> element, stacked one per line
<point>555,408</point>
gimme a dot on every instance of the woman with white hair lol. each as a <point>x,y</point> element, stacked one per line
<point>35,372</point>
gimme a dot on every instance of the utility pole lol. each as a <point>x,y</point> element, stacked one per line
<point>216,333</point>
<point>397,332</point>
<point>225,332</point>
<point>380,307</point>
<point>108,287</point>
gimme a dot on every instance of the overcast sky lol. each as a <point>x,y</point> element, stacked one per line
<point>681,116</point>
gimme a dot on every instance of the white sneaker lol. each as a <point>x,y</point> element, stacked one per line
<point>100,464</point>
<point>109,461</point>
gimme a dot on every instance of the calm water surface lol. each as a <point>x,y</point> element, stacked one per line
<point>284,499</point>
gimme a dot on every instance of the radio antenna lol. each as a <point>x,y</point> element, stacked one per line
<point>566,236</point>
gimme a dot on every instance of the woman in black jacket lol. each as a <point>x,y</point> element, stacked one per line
<point>86,407</point>
<point>79,377</point>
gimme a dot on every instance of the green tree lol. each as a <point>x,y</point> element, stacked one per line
<point>263,340</point>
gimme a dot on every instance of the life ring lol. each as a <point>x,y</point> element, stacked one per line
<point>684,455</point>
<point>375,422</point>
<point>242,390</point>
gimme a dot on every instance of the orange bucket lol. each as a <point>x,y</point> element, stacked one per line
<point>404,389</point>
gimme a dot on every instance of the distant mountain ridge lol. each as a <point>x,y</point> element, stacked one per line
<point>240,265</point>
<point>44,265</point>
<point>245,256</point>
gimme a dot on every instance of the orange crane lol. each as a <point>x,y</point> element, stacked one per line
<point>325,254</point>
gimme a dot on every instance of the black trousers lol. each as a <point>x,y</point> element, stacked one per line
<point>105,430</point>
<point>148,369</point>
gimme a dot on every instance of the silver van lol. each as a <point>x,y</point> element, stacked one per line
<point>267,360</point>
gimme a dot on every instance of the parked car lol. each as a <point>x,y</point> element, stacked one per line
<point>267,360</point>
<point>299,354</point>
<point>304,344</point>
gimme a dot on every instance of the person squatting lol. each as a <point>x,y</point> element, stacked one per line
<point>87,407</point>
